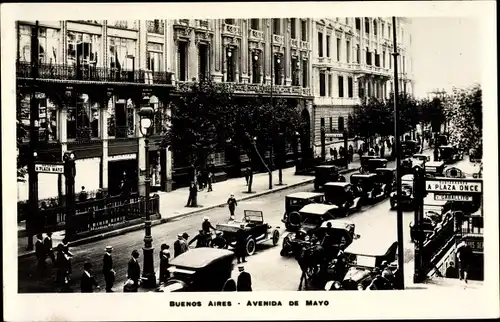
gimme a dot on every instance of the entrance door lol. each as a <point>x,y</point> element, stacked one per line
<point>122,170</point>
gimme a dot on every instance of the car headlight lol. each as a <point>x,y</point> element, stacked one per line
<point>337,285</point>
<point>360,287</point>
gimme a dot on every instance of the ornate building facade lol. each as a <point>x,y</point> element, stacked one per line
<point>93,76</point>
<point>352,61</point>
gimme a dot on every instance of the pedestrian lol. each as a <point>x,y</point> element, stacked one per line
<point>67,253</point>
<point>193,192</point>
<point>335,153</point>
<point>248,173</point>
<point>464,256</point>
<point>177,245</point>
<point>206,225</point>
<point>240,244</point>
<point>201,239</point>
<point>244,280</point>
<point>209,180</point>
<point>134,269</point>
<point>47,243</point>
<point>164,263</point>
<point>231,202</point>
<point>199,176</point>
<point>229,286</point>
<point>107,269</point>
<point>451,271</point>
<point>87,281</point>
<point>382,151</point>
<point>62,263</point>
<point>184,243</point>
<point>83,195</point>
<point>360,153</point>
<point>350,153</point>
<point>377,149</point>
<point>40,253</point>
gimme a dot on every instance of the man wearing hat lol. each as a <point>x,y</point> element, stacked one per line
<point>134,269</point>
<point>177,245</point>
<point>231,202</point>
<point>88,281</point>
<point>240,250</point>
<point>244,283</point>
<point>107,269</point>
<point>184,244</point>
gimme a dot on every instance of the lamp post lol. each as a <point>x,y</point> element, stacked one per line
<point>281,157</point>
<point>229,66</point>
<point>148,273</point>
<point>69,174</point>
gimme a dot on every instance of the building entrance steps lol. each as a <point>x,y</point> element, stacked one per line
<point>173,203</point>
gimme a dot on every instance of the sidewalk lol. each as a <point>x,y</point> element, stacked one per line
<point>172,204</point>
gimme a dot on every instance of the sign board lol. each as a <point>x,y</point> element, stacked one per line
<point>450,197</point>
<point>334,135</point>
<point>454,185</point>
<point>50,168</point>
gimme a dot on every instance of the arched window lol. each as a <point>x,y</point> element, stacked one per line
<point>367,25</point>
<point>229,21</point>
<point>341,124</point>
<point>375,27</point>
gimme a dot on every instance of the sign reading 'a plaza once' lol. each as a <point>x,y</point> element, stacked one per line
<point>50,168</point>
<point>454,186</point>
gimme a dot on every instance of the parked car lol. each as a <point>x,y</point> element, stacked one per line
<point>199,270</point>
<point>450,154</point>
<point>364,159</point>
<point>434,168</point>
<point>428,226</point>
<point>295,201</point>
<point>368,187</point>
<point>342,233</point>
<point>370,165</point>
<point>326,173</point>
<point>313,215</point>
<point>407,198</point>
<point>387,176</point>
<point>475,155</point>
<point>437,210</point>
<point>410,147</point>
<point>342,195</point>
<point>419,159</point>
<point>256,229</point>
<point>363,255</point>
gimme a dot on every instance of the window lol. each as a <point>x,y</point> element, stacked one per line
<point>341,86</point>
<point>276,26</point>
<point>320,44</point>
<point>367,25</point>
<point>48,42</point>
<point>121,52</point>
<point>277,69</point>
<point>340,124</point>
<point>327,46</point>
<point>322,88</point>
<point>389,35</point>
<point>254,24</point>
<point>338,49</point>
<point>293,28</point>
<point>295,71</point>
<point>377,59</point>
<point>203,68</point>
<point>229,21</point>
<point>256,67</point>
<point>375,29</point>
<point>382,28</point>
<point>349,87</point>
<point>329,85</point>
<point>121,118</point>
<point>231,64</point>
<point>361,90</point>
<point>346,21</point>
<point>304,30</point>
<point>390,61</point>
<point>358,23</point>
<point>47,117</point>
<point>331,124</point>
<point>305,76</point>
<point>368,56</point>
<point>348,51</point>
<point>155,57</point>
<point>155,26</point>
<point>322,122</point>
<point>125,24</point>
<point>383,59</point>
<point>83,119</point>
<point>182,60</point>
<point>358,57</point>
<point>83,50</point>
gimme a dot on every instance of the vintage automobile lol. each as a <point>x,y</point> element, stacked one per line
<point>202,269</point>
<point>475,155</point>
<point>362,256</point>
<point>364,159</point>
<point>368,187</point>
<point>326,173</point>
<point>372,164</point>
<point>407,198</point>
<point>341,232</point>
<point>295,201</point>
<point>342,195</point>
<point>256,229</point>
<point>419,159</point>
<point>313,215</point>
<point>428,226</point>
<point>450,154</point>
<point>387,176</point>
<point>437,210</point>
<point>410,147</point>
<point>434,168</point>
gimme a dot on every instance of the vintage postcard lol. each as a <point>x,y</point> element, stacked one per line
<point>328,160</point>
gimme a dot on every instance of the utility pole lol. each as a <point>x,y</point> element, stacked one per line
<point>397,148</point>
<point>272,111</point>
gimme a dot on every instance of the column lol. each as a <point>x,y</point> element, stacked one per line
<point>267,50</point>
<point>244,54</point>
<point>103,120</point>
<point>169,164</point>
<point>287,59</point>
<point>104,46</point>
<point>141,62</point>
<point>193,55</point>
<point>169,47</point>
<point>217,46</point>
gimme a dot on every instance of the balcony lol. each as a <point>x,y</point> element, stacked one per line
<point>369,69</point>
<point>304,45</point>
<point>231,30</point>
<point>295,43</point>
<point>88,73</point>
<point>202,23</point>
<point>155,26</point>
<point>254,89</point>
<point>278,39</point>
<point>256,35</point>
<point>337,101</point>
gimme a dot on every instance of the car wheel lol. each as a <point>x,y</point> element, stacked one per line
<point>276,237</point>
<point>342,179</point>
<point>283,252</point>
<point>250,246</point>
<point>294,219</point>
<point>393,204</point>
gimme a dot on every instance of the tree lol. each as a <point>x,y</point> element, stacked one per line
<point>198,122</point>
<point>369,119</point>
<point>431,112</point>
<point>463,109</point>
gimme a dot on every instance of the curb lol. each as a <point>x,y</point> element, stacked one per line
<point>160,221</point>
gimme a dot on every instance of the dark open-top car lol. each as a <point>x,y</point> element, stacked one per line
<point>369,187</point>
<point>370,165</point>
<point>434,168</point>
<point>450,154</point>
<point>387,176</point>
<point>326,173</point>
<point>256,230</point>
<point>407,199</point>
<point>295,202</point>
<point>313,215</point>
<point>199,270</point>
<point>410,147</point>
<point>342,195</point>
<point>340,233</point>
<point>363,255</point>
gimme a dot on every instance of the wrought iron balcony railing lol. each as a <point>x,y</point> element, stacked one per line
<point>256,34</point>
<point>95,74</point>
<point>304,45</point>
<point>155,26</point>
<point>232,30</point>
<point>248,88</point>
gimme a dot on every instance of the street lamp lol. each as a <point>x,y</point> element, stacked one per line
<point>148,275</point>
<point>69,174</point>
<point>282,156</point>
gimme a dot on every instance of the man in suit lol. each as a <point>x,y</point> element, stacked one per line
<point>40,253</point>
<point>244,280</point>
<point>177,245</point>
<point>88,281</point>
<point>47,242</point>
<point>134,269</point>
<point>240,244</point>
<point>107,269</point>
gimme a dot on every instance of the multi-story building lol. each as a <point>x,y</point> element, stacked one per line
<point>352,61</point>
<point>93,76</point>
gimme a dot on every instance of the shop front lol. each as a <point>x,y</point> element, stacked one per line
<point>122,173</point>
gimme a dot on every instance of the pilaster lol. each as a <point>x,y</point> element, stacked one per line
<point>287,57</point>
<point>192,57</point>
<point>267,57</point>
<point>143,44</point>
<point>244,54</point>
<point>104,43</point>
<point>169,47</point>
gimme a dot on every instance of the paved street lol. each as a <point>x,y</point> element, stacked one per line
<point>269,270</point>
